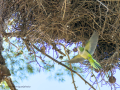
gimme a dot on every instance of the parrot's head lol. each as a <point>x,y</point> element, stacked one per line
<point>80,50</point>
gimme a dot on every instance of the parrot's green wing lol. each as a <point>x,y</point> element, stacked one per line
<point>76,59</point>
<point>92,43</point>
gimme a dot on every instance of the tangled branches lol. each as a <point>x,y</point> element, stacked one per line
<point>46,22</point>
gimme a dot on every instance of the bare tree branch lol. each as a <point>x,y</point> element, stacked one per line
<point>65,67</point>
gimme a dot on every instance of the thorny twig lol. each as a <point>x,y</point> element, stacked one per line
<point>73,81</point>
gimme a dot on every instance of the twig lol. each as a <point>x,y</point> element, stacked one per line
<point>54,47</point>
<point>96,80</point>
<point>43,61</point>
<point>40,4</point>
<point>18,49</point>
<point>64,10</point>
<point>73,81</point>
<point>64,66</point>
<point>35,57</point>
<point>103,5</point>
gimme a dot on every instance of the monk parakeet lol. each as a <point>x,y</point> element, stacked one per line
<point>85,53</point>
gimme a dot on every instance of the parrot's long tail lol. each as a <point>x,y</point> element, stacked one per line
<point>95,64</point>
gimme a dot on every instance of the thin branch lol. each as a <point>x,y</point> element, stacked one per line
<point>73,81</point>
<point>54,47</point>
<point>18,49</point>
<point>40,4</point>
<point>103,5</point>
<point>64,66</point>
<point>64,10</point>
<point>35,57</point>
<point>96,80</point>
<point>44,61</point>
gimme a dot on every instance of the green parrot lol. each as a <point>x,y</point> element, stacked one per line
<point>85,53</point>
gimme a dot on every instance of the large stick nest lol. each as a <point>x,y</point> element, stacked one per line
<point>46,21</point>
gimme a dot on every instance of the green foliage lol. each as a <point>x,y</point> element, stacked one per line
<point>16,58</point>
<point>30,68</point>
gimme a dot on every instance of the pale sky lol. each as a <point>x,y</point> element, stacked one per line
<point>40,81</point>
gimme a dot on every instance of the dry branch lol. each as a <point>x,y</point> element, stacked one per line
<point>64,66</point>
